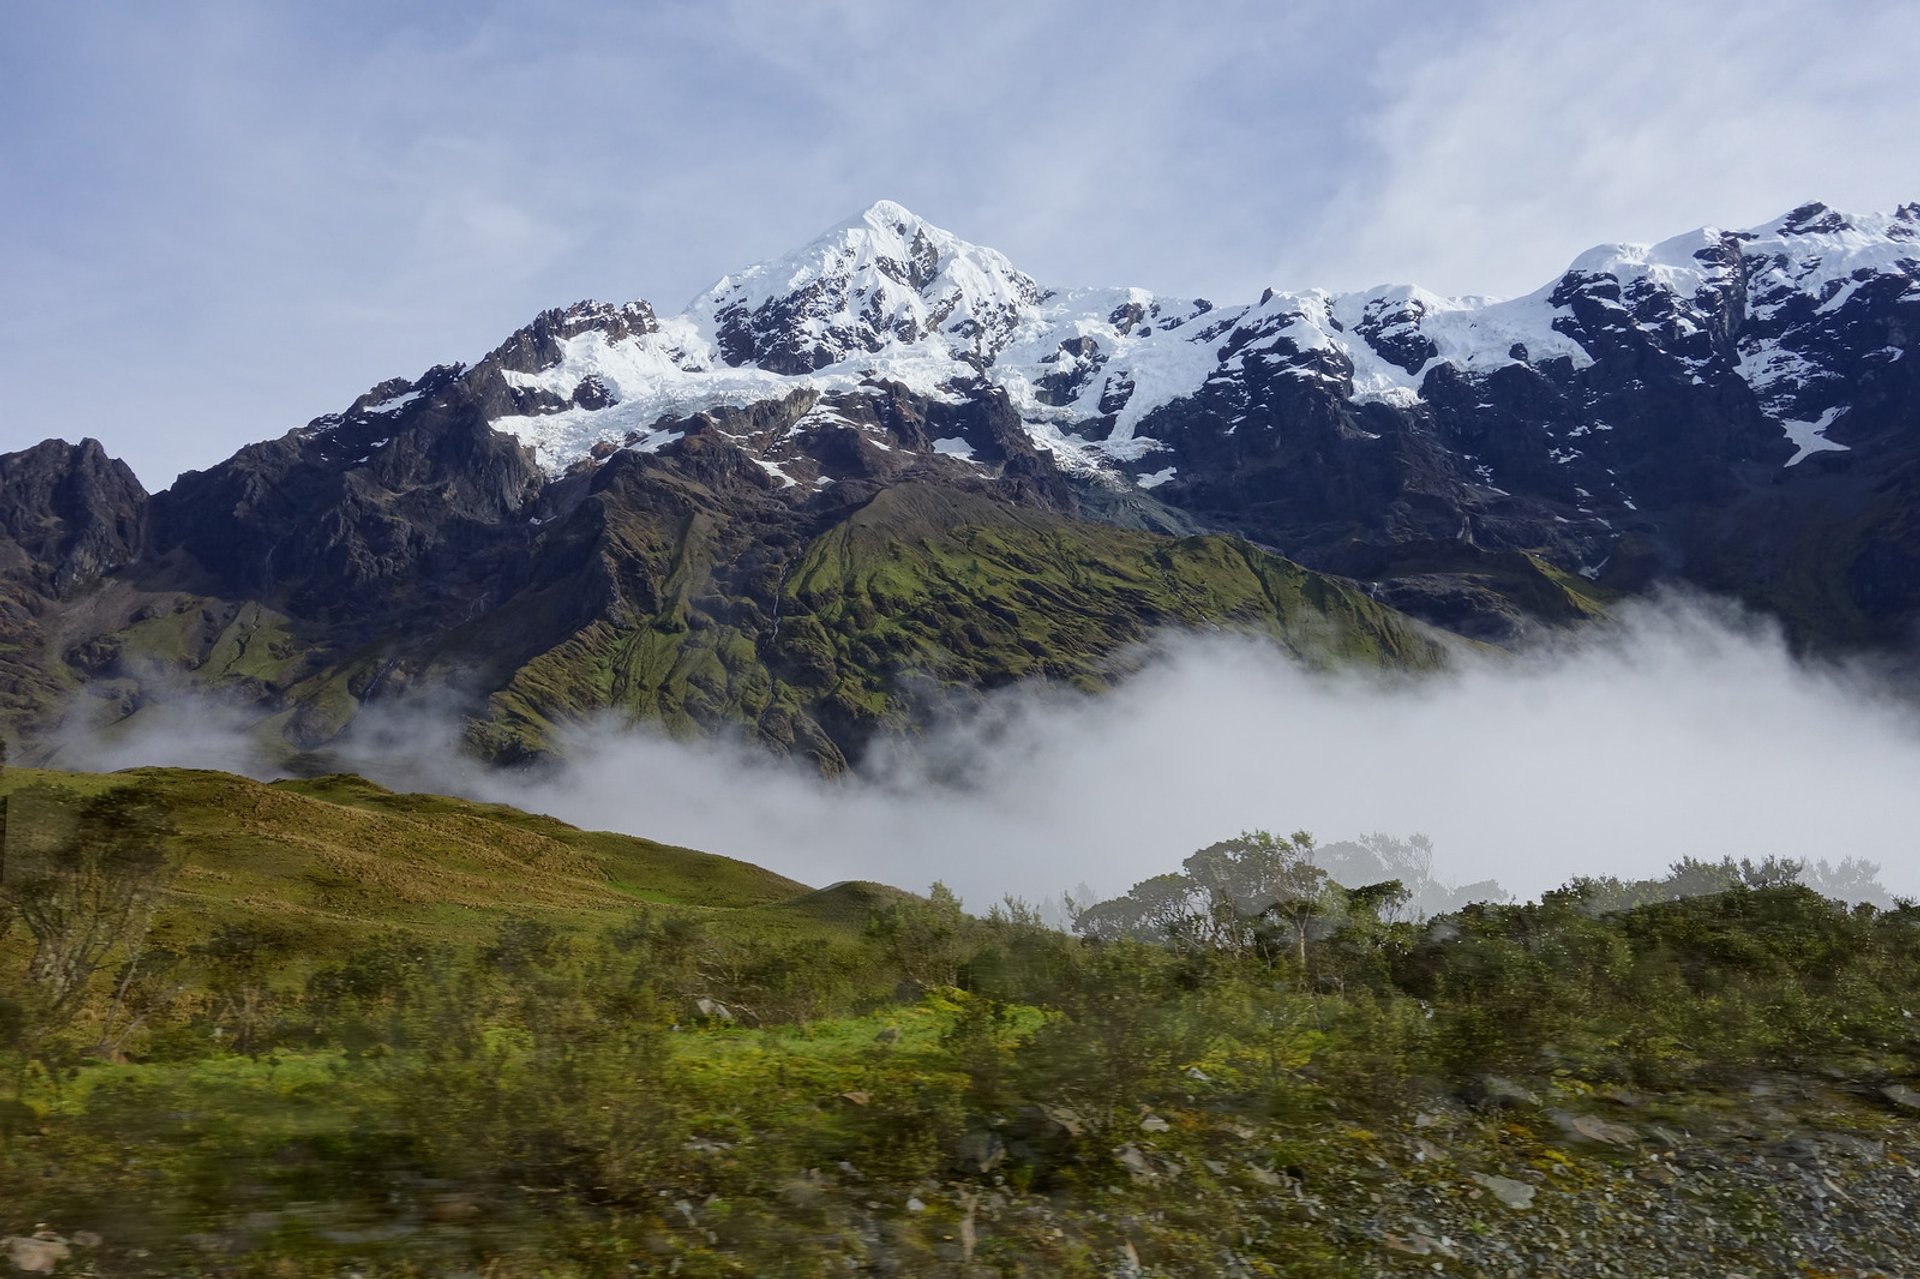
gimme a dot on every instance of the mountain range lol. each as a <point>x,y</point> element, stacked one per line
<point>842,490</point>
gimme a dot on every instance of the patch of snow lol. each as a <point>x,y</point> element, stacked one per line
<point>888,297</point>
<point>953,446</point>
<point>1775,373</point>
<point>654,441</point>
<point>676,373</point>
<point>1157,478</point>
<point>786,481</point>
<point>393,405</point>
<point>1811,437</point>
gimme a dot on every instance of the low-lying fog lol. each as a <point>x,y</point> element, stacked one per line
<point>1688,730</point>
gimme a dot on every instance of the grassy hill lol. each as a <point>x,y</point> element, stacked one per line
<point>327,862</point>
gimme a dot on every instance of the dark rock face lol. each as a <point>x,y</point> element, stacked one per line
<point>69,514</point>
<point>1391,326</point>
<point>1657,449</point>
<point>70,517</point>
<point>490,385</point>
<point>359,513</point>
<point>537,346</point>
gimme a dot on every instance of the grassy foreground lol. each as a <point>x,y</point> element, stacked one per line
<point>345,1031</point>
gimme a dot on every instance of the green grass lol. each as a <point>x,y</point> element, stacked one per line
<point>330,861</point>
<point>927,586</point>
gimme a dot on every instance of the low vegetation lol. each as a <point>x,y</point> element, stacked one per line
<point>316,1028</point>
<point>921,595</point>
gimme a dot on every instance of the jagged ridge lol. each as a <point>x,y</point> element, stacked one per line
<point>892,457</point>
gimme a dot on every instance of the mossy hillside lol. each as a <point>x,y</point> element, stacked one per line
<point>670,613</point>
<point>1539,589</point>
<point>679,675</point>
<point>982,592</point>
<point>703,601</point>
<point>325,863</point>
<point>843,907</point>
<point>546,1105</point>
<point>855,1078</point>
<point>814,650</point>
<point>307,682</point>
<point>222,643</point>
<point>32,688</point>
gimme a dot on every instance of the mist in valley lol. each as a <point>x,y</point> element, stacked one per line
<point>1686,730</point>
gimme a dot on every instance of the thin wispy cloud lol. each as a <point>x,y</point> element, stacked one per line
<point>1492,158</point>
<point>223,219</point>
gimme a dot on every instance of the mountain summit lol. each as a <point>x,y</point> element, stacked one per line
<point>887,296</point>
<point>884,280</point>
<point>892,461</point>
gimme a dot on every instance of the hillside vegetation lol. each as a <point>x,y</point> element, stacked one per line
<point>923,594</point>
<point>693,604</point>
<point>316,1027</point>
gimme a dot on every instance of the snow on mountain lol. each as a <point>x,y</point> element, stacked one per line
<point>1779,281</point>
<point>886,297</point>
<point>1812,250</point>
<point>1803,271</point>
<point>883,279</point>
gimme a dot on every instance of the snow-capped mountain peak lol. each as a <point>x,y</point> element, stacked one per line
<point>886,298</point>
<point>885,277</point>
<point>1655,408</point>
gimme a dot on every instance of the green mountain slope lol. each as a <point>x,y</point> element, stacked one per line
<point>926,589</point>
<point>701,596</point>
<point>855,1080</point>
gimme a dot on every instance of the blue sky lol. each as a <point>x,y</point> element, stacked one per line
<point>219,220</point>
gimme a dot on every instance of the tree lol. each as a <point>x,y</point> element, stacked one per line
<point>1294,889</point>
<point>149,981</point>
<point>1161,909</point>
<point>1378,857</point>
<point>239,962</point>
<point>1229,896</point>
<point>1379,903</point>
<point>927,936</point>
<point>1852,879</point>
<point>83,877</point>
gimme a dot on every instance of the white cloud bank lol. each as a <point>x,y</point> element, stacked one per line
<point>1685,732</point>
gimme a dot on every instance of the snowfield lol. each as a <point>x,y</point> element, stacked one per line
<point>888,297</point>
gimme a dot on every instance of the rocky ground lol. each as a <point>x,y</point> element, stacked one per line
<point>1784,1177</point>
<point>1791,1179</point>
<point>1781,1177</point>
